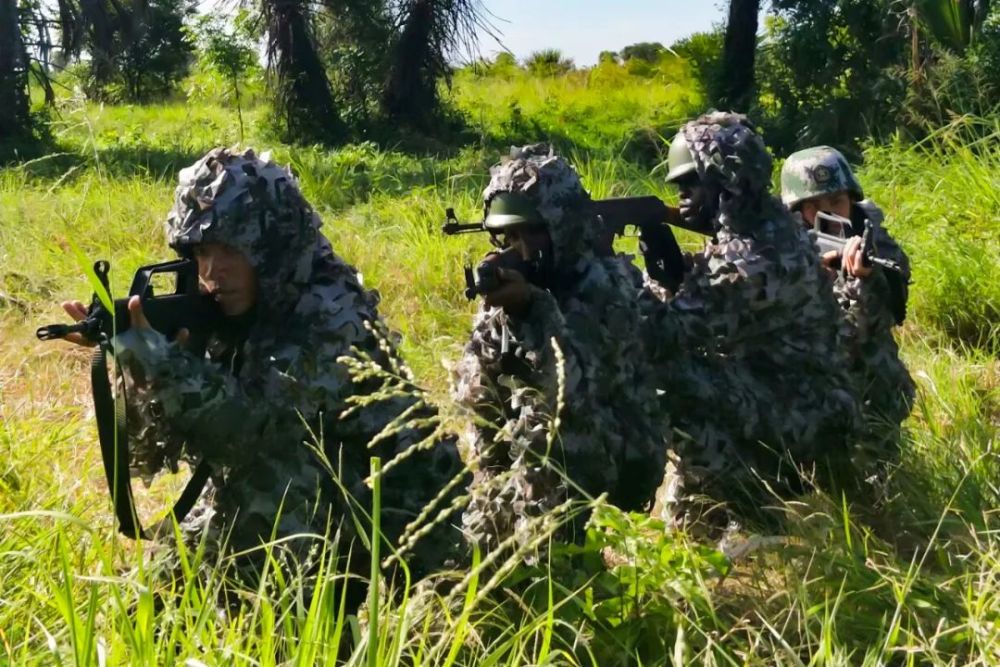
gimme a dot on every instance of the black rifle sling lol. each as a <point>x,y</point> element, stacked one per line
<point>113,436</point>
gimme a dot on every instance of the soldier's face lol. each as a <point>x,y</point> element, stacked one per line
<point>529,240</point>
<point>226,273</point>
<point>838,203</point>
<point>694,205</point>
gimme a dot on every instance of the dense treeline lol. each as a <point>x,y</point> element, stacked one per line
<point>340,70</point>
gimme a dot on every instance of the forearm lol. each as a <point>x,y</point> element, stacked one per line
<point>189,399</point>
<point>868,306</point>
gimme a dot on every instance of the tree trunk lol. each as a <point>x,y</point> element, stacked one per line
<point>100,43</point>
<point>304,97</point>
<point>14,117</point>
<point>410,91</point>
<point>736,87</point>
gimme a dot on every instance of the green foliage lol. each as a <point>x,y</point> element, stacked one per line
<point>914,580</point>
<point>954,23</point>
<point>830,72</point>
<point>229,49</point>
<point>354,41</point>
<point>607,57</point>
<point>153,56</point>
<point>601,109</point>
<point>955,248</point>
<point>958,84</point>
<point>548,62</point>
<point>703,51</point>
<point>648,51</point>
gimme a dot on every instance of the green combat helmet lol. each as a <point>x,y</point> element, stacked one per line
<point>817,171</point>
<point>680,161</point>
<point>508,209</point>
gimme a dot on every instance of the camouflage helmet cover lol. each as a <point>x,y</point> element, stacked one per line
<point>729,154</point>
<point>252,204</point>
<point>552,194</point>
<point>814,172</point>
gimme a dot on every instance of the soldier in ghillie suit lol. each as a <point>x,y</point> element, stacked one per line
<point>758,383</point>
<point>873,299</point>
<point>554,370</point>
<point>265,406</point>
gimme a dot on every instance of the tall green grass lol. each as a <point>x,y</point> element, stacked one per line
<point>914,582</point>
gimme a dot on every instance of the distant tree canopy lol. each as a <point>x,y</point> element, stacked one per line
<point>830,71</point>
<point>548,62</point>
<point>648,51</point>
<point>136,51</point>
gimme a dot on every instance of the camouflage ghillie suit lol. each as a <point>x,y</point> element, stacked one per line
<point>271,385</point>
<point>872,305</point>
<point>564,387</point>
<point>756,377</point>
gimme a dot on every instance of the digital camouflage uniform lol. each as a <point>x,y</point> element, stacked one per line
<point>873,305</point>
<point>754,374</point>
<point>579,339</point>
<point>270,385</point>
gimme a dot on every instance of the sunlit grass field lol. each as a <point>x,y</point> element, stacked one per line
<point>915,582</point>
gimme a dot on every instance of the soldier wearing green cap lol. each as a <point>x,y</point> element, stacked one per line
<point>564,401</point>
<point>819,179</point>
<point>755,378</point>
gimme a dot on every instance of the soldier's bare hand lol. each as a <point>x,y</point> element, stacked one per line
<point>513,295</point>
<point>854,261</point>
<point>831,262</point>
<point>78,312</point>
<point>136,316</point>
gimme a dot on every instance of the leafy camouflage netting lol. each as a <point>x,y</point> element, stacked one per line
<point>563,395</point>
<point>266,405</point>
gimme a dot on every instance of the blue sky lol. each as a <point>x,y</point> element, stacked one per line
<point>581,29</point>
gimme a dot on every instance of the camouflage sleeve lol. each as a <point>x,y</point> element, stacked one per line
<point>188,407</point>
<point>503,359</point>
<point>508,376</point>
<point>185,407</point>
<point>867,306</point>
<point>706,311</point>
<point>896,294</point>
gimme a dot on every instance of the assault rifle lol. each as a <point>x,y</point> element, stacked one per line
<point>649,214</point>
<point>894,273</point>
<point>827,242</point>
<point>485,277</point>
<point>181,307</point>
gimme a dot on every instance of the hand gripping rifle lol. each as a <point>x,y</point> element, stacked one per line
<point>869,255</point>
<point>485,276</point>
<point>652,217</point>
<point>183,308</point>
<point>827,242</point>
